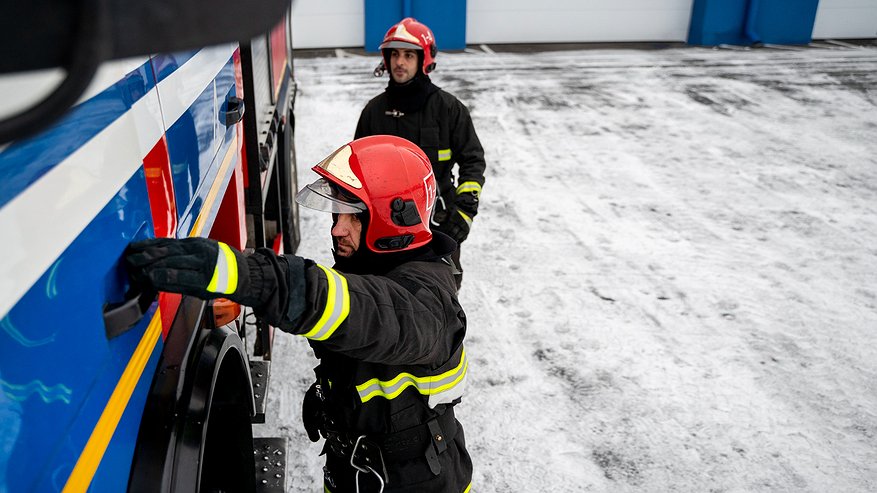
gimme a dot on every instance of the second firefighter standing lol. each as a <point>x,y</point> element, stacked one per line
<point>414,108</point>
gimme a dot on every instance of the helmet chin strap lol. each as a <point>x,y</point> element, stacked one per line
<point>381,69</point>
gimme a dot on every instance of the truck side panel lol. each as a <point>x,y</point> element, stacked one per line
<point>58,365</point>
<point>71,199</point>
<point>54,184</point>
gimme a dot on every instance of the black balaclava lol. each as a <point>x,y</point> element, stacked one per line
<point>365,261</point>
<point>412,95</point>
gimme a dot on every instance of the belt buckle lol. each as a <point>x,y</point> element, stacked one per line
<point>366,457</point>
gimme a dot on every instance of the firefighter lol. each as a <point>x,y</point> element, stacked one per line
<point>414,108</point>
<point>384,321</point>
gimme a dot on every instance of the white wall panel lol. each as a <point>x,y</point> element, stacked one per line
<point>528,21</point>
<point>341,23</point>
<point>845,19</point>
<point>328,23</point>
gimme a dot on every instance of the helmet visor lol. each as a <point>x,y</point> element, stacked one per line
<point>400,44</point>
<point>322,195</point>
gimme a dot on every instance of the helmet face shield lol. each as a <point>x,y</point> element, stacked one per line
<point>322,195</point>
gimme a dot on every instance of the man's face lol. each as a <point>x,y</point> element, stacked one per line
<point>403,64</point>
<point>346,232</point>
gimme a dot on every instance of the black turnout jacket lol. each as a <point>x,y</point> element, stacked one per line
<point>440,125</point>
<point>388,331</point>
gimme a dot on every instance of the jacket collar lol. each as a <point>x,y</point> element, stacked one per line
<point>364,261</point>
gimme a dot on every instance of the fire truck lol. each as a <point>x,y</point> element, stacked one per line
<point>165,119</point>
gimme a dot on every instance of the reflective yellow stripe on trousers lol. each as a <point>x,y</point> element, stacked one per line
<point>337,306</point>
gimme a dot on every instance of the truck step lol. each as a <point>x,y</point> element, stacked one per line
<point>259,372</point>
<point>270,457</point>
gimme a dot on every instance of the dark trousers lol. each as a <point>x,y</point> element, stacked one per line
<point>413,476</point>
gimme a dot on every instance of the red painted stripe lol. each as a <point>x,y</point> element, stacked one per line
<point>168,304</point>
<point>239,89</point>
<point>278,54</point>
<point>159,186</point>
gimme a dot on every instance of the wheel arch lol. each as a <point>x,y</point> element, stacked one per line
<point>196,433</point>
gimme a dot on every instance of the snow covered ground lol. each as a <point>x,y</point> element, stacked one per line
<point>672,280</point>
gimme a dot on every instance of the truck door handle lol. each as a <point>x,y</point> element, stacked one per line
<point>234,110</point>
<point>120,317</point>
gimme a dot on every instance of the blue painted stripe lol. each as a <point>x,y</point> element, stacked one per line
<point>195,153</point>
<point>82,123</point>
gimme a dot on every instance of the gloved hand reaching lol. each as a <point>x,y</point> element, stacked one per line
<point>194,266</point>
<point>273,286</point>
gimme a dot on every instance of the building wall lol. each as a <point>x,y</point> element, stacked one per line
<point>552,21</point>
<point>846,19</point>
<point>328,23</point>
<point>341,23</point>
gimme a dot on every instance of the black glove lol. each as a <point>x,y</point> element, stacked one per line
<point>273,286</point>
<point>457,226</point>
<point>194,266</point>
<point>460,221</point>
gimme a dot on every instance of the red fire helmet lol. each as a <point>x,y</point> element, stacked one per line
<point>388,176</point>
<point>413,35</point>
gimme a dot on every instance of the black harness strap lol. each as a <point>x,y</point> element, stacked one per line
<point>427,440</point>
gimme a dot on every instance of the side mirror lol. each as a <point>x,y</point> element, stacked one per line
<point>79,35</point>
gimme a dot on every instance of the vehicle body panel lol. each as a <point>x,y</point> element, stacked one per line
<point>71,199</point>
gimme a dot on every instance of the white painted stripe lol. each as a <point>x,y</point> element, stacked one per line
<point>41,222</point>
<point>181,89</point>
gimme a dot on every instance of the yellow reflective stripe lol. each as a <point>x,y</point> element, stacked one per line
<point>469,186</point>
<point>465,218</point>
<point>444,155</point>
<point>225,274</point>
<point>337,306</point>
<point>213,194</point>
<point>83,472</point>
<point>430,385</point>
<point>469,487</point>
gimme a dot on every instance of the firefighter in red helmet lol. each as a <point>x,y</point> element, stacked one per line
<point>414,108</point>
<point>384,321</point>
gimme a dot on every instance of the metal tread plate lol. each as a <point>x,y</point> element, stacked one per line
<point>260,371</point>
<point>269,454</point>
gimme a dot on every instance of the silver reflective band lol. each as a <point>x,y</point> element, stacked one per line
<point>225,273</point>
<point>323,196</point>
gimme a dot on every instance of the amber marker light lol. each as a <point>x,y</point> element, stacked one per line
<point>224,311</point>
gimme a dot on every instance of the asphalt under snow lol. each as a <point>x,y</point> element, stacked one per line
<point>671,284</point>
